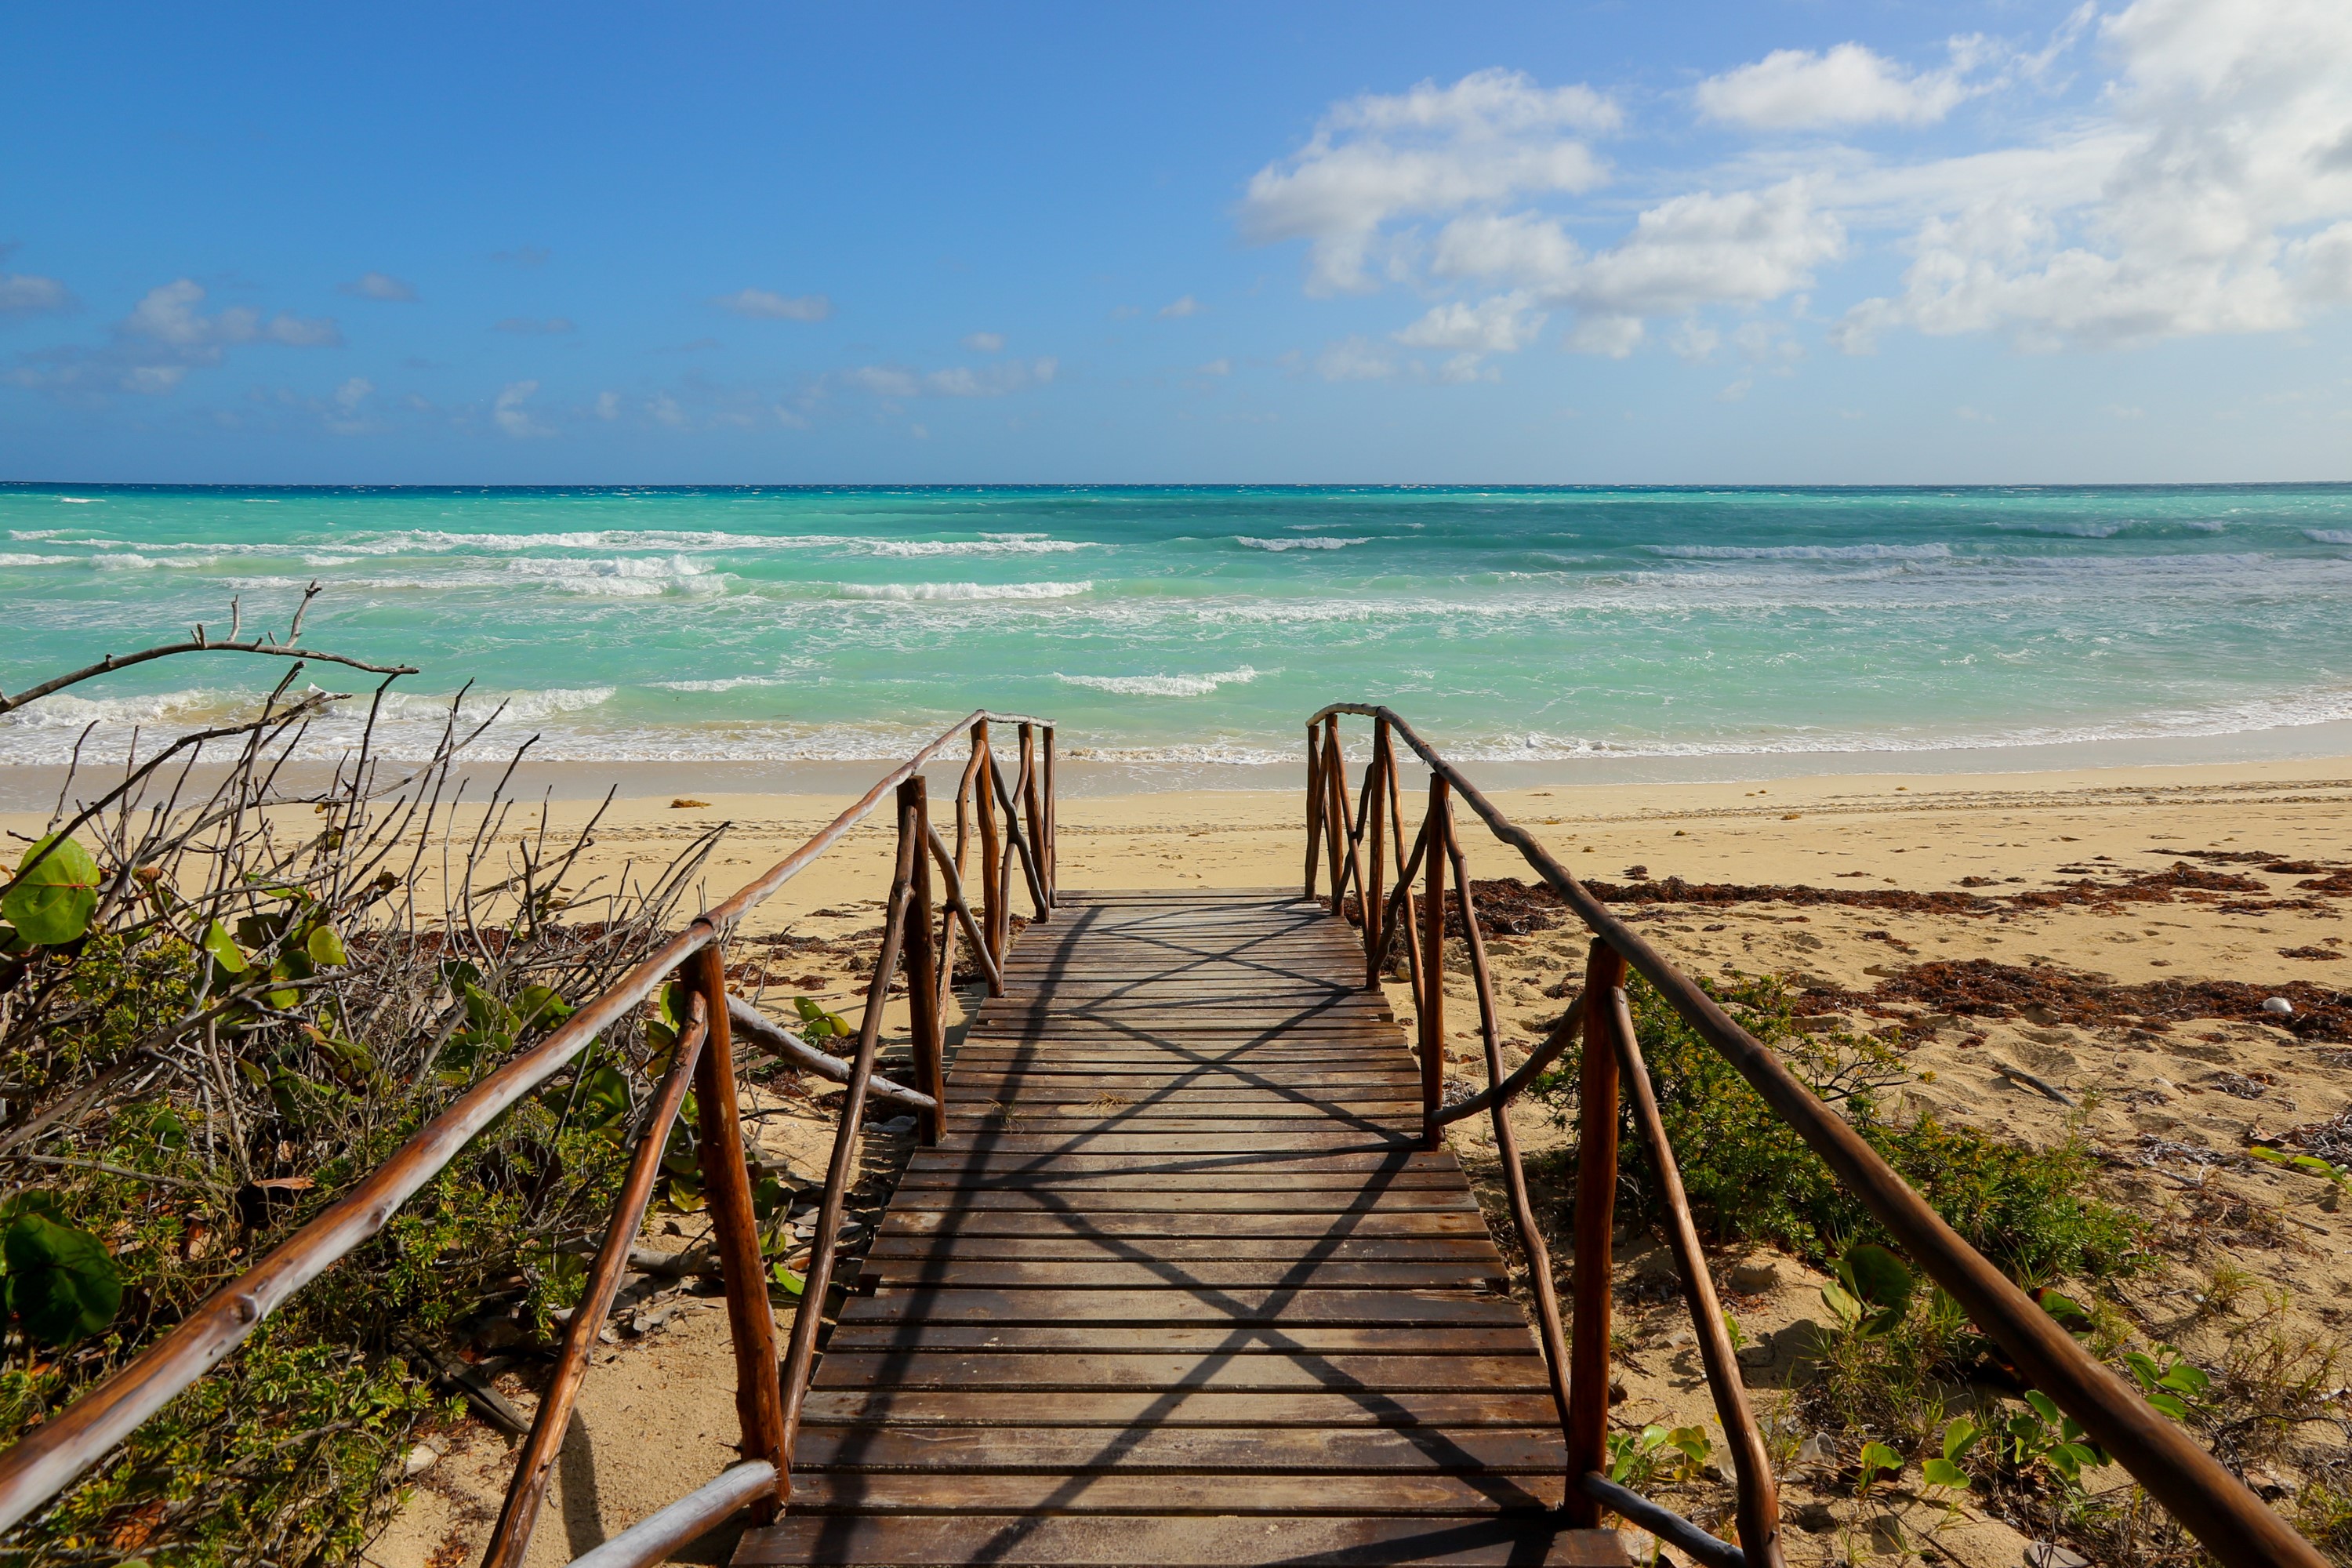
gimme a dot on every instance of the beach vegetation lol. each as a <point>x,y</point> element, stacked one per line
<point>226,997</point>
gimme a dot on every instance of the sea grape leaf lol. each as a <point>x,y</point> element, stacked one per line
<point>224,949</point>
<point>58,892</point>
<point>62,1286</point>
<point>325,947</point>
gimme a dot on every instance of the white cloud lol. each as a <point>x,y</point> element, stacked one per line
<point>899,383</point>
<point>761,304</point>
<point>1613,336</point>
<point>1217,367</point>
<point>1492,137</point>
<point>353,393</point>
<point>153,380</point>
<point>380,285</point>
<point>608,406</point>
<point>532,327</point>
<point>1177,309</point>
<point>2214,196</point>
<point>512,417</point>
<point>168,315</point>
<point>1792,90</point>
<point>1502,324</point>
<point>22,293</point>
<point>665,411</point>
<point>1354,359</point>
<point>1743,249</point>
<point>985,343</point>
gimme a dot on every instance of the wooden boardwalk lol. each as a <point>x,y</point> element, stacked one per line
<point>1179,1287</point>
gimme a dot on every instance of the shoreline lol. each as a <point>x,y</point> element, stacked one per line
<point>2326,757</point>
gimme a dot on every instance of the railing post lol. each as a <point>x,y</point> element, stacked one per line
<point>1052,812</point>
<point>1033,808</point>
<point>1596,1217</point>
<point>1314,805</point>
<point>1432,1015</point>
<point>1335,813</point>
<point>923,1012</point>
<point>1374,895</point>
<point>992,923</point>
<point>727,1185</point>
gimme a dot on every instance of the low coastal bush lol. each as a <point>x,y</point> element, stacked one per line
<point>219,1008</point>
<point>1749,1176</point>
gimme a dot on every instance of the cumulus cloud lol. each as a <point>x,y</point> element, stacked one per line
<point>514,418</point>
<point>380,285</point>
<point>2215,196</point>
<point>169,315</point>
<point>1354,359</point>
<point>1493,137</point>
<point>899,383</point>
<point>533,327</point>
<point>1177,309</point>
<point>984,342</point>
<point>1790,89</point>
<point>1479,158</point>
<point>762,305</point>
<point>23,294</point>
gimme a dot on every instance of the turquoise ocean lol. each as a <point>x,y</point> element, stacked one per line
<point>1184,627</point>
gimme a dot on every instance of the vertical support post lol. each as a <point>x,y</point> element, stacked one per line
<point>1432,1016</point>
<point>1314,805</point>
<point>1375,893</point>
<point>924,1015</point>
<point>1335,814</point>
<point>992,923</point>
<point>726,1184</point>
<point>1033,808</point>
<point>1052,813</point>
<point>1595,1219</point>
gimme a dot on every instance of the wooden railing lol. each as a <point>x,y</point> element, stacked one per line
<point>2215,1506</point>
<point>1014,819</point>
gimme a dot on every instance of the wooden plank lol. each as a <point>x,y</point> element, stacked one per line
<point>1194,1145</point>
<point>1428,1308</point>
<point>1456,1217</point>
<point>1068,1357</point>
<point>1194,1407</point>
<point>1465,1249</point>
<point>1167,1492</point>
<point>1130,1274</point>
<point>1366,1182</point>
<point>1013,1449</point>
<point>1097,1541</point>
<point>1333,1211</point>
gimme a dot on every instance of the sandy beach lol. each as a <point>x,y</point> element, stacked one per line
<point>1796,873</point>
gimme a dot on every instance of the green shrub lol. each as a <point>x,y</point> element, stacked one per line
<point>1750,1176</point>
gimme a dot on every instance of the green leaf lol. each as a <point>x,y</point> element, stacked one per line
<point>224,949</point>
<point>1691,1442</point>
<point>2276,1156</point>
<point>1841,1305</point>
<point>785,1280</point>
<point>62,1286</point>
<point>1877,1456</point>
<point>1959,1437</point>
<point>540,1005</point>
<point>603,1098</point>
<point>1878,1276</point>
<point>326,947</point>
<point>58,893</point>
<point>2044,1406</point>
<point>2187,1379</point>
<point>1943,1473</point>
<point>2170,1403</point>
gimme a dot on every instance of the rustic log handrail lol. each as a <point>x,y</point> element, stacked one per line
<point>2226,1517</point>
<point>49,1458</point>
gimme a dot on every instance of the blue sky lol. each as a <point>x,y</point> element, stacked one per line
<point>1685,243</point>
